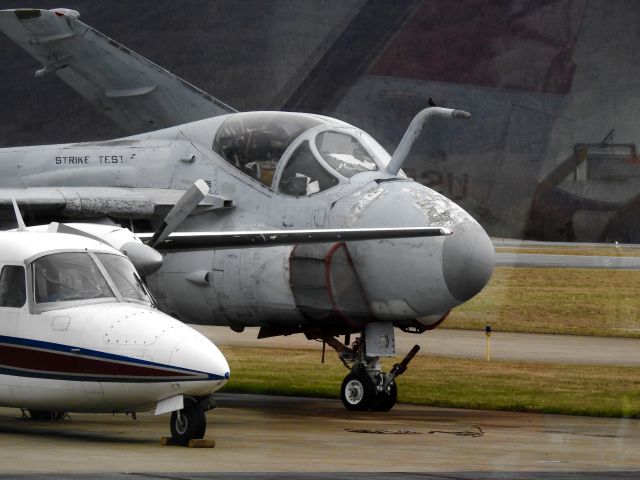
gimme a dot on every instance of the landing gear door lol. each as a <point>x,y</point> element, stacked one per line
<point>380,339</point>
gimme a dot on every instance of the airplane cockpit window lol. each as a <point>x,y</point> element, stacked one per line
<point>62,277</point>
<point>344,153</point>
<point>13,292</point>
<point>254,142</point>
<point>303,175</point>
<point>125,277</point>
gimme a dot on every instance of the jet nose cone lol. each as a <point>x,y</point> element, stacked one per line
<point>408,279</point>
<point>467,260</point>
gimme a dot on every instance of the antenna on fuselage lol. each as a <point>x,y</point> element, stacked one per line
<point>21,225</point>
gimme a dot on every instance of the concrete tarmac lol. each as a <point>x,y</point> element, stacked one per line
<point>280,437</point>
<point>526,347</point>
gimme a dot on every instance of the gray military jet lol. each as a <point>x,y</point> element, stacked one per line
<point>278,177</point>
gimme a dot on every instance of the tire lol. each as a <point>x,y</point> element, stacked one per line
<point>357,391</point>
<point>385,401</point>
<point>188,423</point>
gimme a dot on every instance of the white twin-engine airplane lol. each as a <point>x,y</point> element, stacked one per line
<point>79,332</point>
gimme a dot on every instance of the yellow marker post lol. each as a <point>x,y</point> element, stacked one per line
<point>487,332</point>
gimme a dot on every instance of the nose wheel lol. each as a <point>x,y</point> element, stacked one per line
<point>367,387</point>
<point>357,391</point>
<point>384,401</point>
<point>188,424</point>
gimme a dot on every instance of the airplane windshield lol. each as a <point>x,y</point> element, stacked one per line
<point>344,153</point>
<point>254,142</point>
<point>125,277</point>
<point>303,175</point>
<point>62,277</point>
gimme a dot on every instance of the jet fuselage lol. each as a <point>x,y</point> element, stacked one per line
<point>281,171</point>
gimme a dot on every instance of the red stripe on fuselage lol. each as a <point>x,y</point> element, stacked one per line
<point>35,359</point>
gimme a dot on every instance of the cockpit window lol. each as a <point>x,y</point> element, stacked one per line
<point>13,291</point>
<point>344,153</point>
<point>254,142</point>
<point>125,277</point>
<point>61,277</point>
<point>303,175</point>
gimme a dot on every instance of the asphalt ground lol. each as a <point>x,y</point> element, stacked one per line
<point>280,437</point>
<point>528,347</point>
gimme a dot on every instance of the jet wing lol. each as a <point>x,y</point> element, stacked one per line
<point>134,92</point>
<point>84,202</point>
<point>213,240</point>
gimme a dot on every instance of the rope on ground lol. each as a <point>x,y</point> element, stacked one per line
<point>382,431</point>
<point>472,430</point>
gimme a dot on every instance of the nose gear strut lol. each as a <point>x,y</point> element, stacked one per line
<point>367,387</point>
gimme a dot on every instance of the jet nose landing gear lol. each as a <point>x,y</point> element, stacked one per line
<point>367,387</point>
<point>357,391</point>
<point>360,392</point>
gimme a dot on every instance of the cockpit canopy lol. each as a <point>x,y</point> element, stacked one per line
<point>316,153</point>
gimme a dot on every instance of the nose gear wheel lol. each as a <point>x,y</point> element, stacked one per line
<point>357,391</point>
<point>188,423</point>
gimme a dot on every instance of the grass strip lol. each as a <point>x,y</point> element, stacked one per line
<point>555,300</point>
<point>449,382</point>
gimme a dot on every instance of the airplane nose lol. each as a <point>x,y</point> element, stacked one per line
<point>409,279</point>
<point>198,353</point>
<point>467,260</point>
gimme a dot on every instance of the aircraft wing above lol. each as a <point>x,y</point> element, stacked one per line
<point>134,92</point>
<point>82,202</point>
<point>208,240</point>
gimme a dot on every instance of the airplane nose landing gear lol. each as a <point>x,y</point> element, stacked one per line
<point>367,387</point>
<point>188,423</point>
<point>357,391</point>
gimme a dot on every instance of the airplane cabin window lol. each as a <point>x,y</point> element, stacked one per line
<point>125,277</point>
<point>344,153</point>
<point>69,276</point>
<point>254,142</point>
<point>13,292</point>
<point>303,175</point>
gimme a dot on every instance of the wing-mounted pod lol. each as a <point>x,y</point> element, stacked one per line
<point>414,130</point>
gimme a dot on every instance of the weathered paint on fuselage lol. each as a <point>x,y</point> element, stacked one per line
<point>400,281</point>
